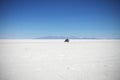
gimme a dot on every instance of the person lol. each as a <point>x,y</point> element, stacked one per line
<point>66,40</point>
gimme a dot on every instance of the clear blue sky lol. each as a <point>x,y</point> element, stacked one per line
<point>36,18</point>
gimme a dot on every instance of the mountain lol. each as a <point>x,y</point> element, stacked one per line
<point>62,37</point>
<point>52,37</point>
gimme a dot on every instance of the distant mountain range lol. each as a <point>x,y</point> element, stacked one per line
<point>63,37</point>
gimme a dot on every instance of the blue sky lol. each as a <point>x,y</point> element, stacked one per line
<point>82,18</point>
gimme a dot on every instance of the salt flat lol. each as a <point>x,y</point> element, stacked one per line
<point>56,60</point>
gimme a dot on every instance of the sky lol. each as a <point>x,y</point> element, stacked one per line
<point>26,19</point>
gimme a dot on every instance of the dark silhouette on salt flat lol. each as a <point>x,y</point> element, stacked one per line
<point>66,40</point>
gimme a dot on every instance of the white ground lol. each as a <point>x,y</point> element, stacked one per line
<point>56,60</point>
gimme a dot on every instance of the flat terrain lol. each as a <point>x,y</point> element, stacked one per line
<point>57,60</point>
